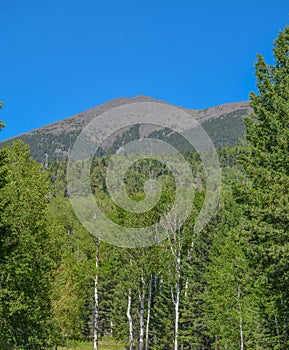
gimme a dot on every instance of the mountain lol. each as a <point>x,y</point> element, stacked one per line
<point>224,124</point>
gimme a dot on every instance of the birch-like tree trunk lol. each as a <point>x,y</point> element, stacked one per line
<point>149,312</point>
<point>129,320</point>
<point>175,240</point>
<point>96,306</point>
<point>141,314</point>
<point>240,319</point>
<point>177,299</point>
<point>111,329</point>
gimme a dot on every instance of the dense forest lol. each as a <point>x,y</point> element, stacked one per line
<point>225,287</point>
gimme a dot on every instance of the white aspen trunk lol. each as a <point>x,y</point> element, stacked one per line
<point>141,314</point>
<point>111,329</point>
<point>175,239</point>
<point>149,312</point>
<point>129,320</point>
<point>177,300</point>
<point>185,297</point>
<point>96,309</point>
<point>186,287</point>
<point>240,320</point>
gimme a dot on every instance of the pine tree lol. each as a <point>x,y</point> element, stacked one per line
<point>265,196</point>
<point>231,297</point>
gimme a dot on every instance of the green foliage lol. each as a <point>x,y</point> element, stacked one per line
<point>72,288</point>
<point>106,344</point>
<point>231,294</point>
<point>2,125</point>
<point>25,260</point>
<point>265,195</point>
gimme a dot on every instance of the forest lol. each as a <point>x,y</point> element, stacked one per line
<point>225,287</point>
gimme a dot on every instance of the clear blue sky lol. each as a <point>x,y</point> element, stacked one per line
<point>61,57</point>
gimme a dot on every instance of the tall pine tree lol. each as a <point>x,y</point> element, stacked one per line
<point>265,196</point>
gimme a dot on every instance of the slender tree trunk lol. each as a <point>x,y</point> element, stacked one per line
<point>96,307</point>
<point>141,314</point>
<point>185,297</point>
<point>175,240</point>
<point>186,287</point>
<point>149,313</point>
<point>111,329</point>
<point>129,320</point>
<point>240,320</point>
<point>177,300</point>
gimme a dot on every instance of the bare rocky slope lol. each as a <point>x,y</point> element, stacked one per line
<point>223,123</point>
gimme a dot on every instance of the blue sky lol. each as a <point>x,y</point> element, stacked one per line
<point>59,58</point>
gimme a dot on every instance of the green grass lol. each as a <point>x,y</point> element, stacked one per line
<point>103,345</point>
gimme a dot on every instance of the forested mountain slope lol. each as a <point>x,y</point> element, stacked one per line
<point>223,123</point>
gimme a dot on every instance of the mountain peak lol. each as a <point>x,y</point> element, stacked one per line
<point>224,124</point>
<point>143,98</point>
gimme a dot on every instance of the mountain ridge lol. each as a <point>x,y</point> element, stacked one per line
<point>53,141</point>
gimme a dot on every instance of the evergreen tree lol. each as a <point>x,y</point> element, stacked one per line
<point>232,318</point>
<point>265,196</point>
